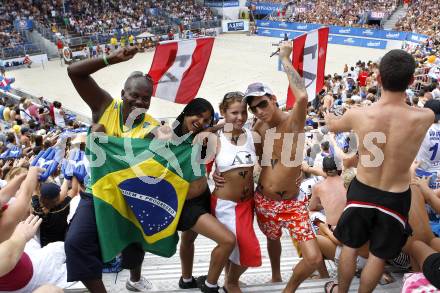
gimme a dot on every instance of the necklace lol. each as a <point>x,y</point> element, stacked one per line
<point>235,138</point>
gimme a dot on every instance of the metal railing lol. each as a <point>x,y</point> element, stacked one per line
<point>45,31</point>
<point>19,51</point>
<point>160,30</point>
<point>32,49</point>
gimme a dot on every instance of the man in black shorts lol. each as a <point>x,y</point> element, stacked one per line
<point>428,258</point>
<point>378,200</point>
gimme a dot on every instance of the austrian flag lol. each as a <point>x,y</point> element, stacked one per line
<point>309,56</point>
<point>178,68</point>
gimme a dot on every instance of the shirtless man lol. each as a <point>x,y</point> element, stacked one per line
<point>278,201</point>
<point>379,198</point>
<point>329,193</point>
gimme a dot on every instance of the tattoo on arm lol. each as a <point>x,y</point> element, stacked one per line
<point>294,78</point>
<point>273,162</point>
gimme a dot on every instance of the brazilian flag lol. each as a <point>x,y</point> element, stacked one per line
<point>139,187</point>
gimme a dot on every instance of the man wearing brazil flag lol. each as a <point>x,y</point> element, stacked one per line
<point>121,215</point>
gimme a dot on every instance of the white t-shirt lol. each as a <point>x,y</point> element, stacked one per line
<point>436,93</point>
<point>59,118</point>
<point>22,114</point>
<point>319,159</point>
<point>3,183</point>
<point>429,154</point>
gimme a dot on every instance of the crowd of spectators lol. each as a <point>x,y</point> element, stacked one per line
<point>34,243</point>
<point>186,11</point>
<point>331,159</point>
<point>358,84</point>
<point>28,129</point>
<point>106,17</point>
<point>110,16</point>
<point>419,18</point>
<point>329,12</point>
<point>9,37</point>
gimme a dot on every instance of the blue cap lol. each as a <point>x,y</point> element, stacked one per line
<point>50,190</point>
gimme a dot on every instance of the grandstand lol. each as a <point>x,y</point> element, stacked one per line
<point>358,39</point>
<point>95,23</point>
<point>358,14</point>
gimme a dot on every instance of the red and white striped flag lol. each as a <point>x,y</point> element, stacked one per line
<point>178,68</point>
<point>309,55</point>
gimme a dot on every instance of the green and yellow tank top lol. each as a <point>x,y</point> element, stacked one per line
<point>113,122</point>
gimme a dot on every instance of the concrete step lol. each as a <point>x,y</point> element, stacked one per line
<point>395,17</point>
<point>165,273</point>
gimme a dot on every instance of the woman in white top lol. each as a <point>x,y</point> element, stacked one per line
<point>58,115</point>
<point>233,203</point>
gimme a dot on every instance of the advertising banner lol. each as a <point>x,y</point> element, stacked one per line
<point>235,26</point>
<point>337,40</point>
<point>224,3</point>
<point>336,30</point>
<point>263,8</point>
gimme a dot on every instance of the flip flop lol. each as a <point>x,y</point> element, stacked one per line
<point>386,279</point>
<point>331,285</point>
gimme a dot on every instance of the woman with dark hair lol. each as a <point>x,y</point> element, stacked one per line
<point>195,217</point>
<point>194,110</point>
<point>38,143</point>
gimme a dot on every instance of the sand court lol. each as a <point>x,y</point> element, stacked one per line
<point>236,61</point>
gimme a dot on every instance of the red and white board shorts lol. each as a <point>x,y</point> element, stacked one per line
<point>238,217</point>
<point>292,214</point>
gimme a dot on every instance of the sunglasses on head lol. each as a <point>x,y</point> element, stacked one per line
<point>263,104</point>
<point>233,94</point>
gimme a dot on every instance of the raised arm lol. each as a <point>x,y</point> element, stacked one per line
<point>11,188</point>
<point>297,86</point>
<point>64,189</point>
<point>339,123</point>
<point>18,211</point>
<point>80,75</point>
<point>76,187</point>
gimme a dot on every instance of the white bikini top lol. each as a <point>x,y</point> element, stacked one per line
<point>235,156</point>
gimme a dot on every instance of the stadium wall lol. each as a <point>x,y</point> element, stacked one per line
<point>40,58</point>
<point>349,36</point>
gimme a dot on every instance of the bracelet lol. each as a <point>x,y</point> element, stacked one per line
<point>104,58</point>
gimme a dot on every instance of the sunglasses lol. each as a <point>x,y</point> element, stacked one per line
<point>263,104</point>
<point>149,78</point>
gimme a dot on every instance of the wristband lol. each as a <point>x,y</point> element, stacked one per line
<point>104,58</point>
